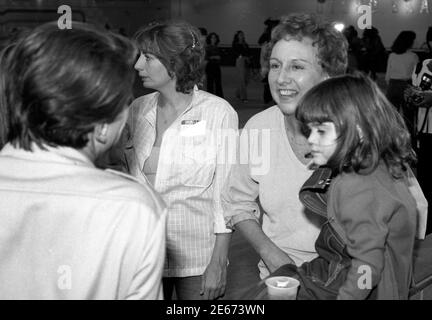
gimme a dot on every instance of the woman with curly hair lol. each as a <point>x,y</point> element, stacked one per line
<point>303,51</point>
<point>172,143</point>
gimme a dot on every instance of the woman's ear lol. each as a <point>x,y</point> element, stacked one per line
<point>101,131</point>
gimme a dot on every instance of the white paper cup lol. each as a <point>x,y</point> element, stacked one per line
<point>282,288</point>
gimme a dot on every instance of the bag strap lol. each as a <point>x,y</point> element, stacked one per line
<point>313,193</point>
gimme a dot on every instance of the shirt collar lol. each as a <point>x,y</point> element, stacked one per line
<point>51,154</point>
<point>150,116</point>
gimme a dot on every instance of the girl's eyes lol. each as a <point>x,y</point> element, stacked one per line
<point>274,66</point>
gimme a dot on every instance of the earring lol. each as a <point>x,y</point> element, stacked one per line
<point>104,130</point>
<point>360,133</point>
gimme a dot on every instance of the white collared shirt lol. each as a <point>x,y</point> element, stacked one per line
<point>191,171</point>
<point>71,231</point>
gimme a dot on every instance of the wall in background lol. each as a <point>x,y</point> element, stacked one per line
<point>227,16</point>
<point>126,14</point>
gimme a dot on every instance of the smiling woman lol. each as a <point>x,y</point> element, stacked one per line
<point>303,51</point>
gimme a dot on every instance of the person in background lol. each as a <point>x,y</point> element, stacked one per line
<point>356,134</point>
<point>428,41</point>
<point>70,230</point>
<point>241,53</point>
<point>374,53</point>
<point>173,143</point>
<point>304,51</point>
<point>203,40</point>
<point>354,49</point>
<point>400,66</point>
<point>213,69</point>
<point>203,35</point>
<point>263,41</point>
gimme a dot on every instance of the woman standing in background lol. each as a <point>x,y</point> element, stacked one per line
<point>400,66</point>
<point>241,52</point>
<point>213,69</point>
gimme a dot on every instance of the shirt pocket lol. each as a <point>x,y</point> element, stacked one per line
<point>198,161</point>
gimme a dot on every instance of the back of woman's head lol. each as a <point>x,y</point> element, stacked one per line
<point>4,109</point>
<point>58,84</point>
<point>369,128</point>
<point>332,46</point>
<point>177,46</point>
<point>403,42</point>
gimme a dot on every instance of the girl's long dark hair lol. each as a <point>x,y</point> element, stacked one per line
<point>369,128</point>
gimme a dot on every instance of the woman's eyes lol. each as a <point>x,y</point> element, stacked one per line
<point>295,67</point>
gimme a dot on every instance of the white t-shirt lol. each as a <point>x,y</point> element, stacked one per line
<point>275,174</point>
<point>401,66</point>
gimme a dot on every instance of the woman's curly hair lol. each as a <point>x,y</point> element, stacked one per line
<point>331,44</point>
<point>177,45</point>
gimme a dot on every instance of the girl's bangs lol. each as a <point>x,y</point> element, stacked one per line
<point>314,108</point>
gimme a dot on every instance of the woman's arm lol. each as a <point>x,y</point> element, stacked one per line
<point>241,211</point>
<point>214,278</point>
<point>213,281</point>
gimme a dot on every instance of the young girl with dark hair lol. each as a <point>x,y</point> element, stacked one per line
<point>363,149</point>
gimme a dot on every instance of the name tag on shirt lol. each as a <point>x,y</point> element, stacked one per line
<point>190,128</point>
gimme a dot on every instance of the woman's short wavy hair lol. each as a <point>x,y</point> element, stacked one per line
<point>331,44</point>
<point>57,85</point>
<point>369,128</point>
<point>177,45</point>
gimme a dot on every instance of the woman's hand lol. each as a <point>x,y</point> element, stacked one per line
<point>418,97</point>
<point>276,259</point>
<point>213,281</point>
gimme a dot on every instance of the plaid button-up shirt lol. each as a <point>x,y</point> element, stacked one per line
<point>193,165</point>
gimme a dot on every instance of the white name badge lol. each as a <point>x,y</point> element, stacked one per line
<point>191,128</point>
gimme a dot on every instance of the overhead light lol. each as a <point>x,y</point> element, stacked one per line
<point>339,26</point>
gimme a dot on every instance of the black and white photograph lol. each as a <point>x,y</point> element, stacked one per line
<point>215,155</point>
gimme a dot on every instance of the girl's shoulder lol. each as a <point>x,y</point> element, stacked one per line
<point>378,183</point>
<point>347,181</point>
